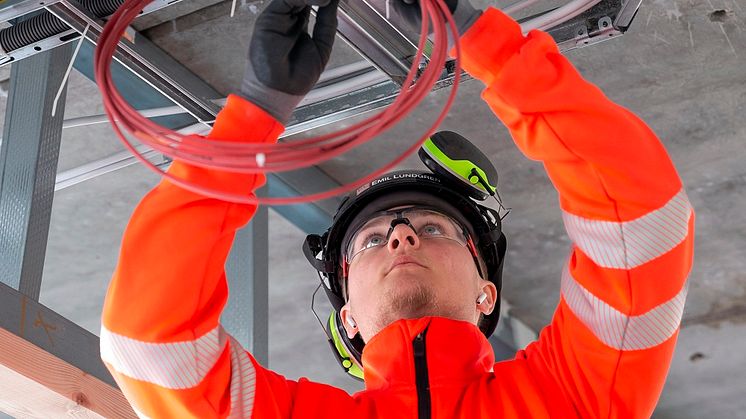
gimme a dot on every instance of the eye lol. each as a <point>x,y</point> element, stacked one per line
<point>432,230</point>
<point>372,240</point>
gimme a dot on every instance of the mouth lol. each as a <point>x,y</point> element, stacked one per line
<point>402,262</point>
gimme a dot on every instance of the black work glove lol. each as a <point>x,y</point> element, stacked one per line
<point>284,61</point>
<point>464,15</point>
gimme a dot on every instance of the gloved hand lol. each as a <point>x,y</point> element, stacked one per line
<point>284,61</point>
<point>464,15</point>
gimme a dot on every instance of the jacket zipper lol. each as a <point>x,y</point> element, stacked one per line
<point>421,377</point>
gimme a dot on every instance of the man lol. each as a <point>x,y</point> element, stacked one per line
<point>413,286</point>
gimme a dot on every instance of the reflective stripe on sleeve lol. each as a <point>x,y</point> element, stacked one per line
<point>629,244</point>
<point>139,414</point>
<point>243,382</point>
<point>178,365</point>
<point>618,330</point>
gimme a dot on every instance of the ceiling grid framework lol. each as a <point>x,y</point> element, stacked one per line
<point>679,67</point>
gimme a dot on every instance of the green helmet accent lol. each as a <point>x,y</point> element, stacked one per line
<point>344,357</point>
<point>458,160</point>
<point>463,168</point>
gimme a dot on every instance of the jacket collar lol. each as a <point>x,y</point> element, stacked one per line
<point>457,351</point>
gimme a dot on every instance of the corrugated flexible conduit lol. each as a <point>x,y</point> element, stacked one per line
<point>45,25</point>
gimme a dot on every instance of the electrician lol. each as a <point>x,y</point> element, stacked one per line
<point>414,261</point>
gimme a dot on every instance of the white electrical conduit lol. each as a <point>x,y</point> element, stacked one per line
<point>100,119</point>
<point>344,70</point>
<point>367,79</point>
<point>559,16</point>
<point>101,167</point>
<point>115,162</point>
<point>124,159</point>
<point>517,7</point>
<point>336,89</point>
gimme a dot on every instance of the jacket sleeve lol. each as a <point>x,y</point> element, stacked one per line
<point>610,343</point>
<point>160,337</point>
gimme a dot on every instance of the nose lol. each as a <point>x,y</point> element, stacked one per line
<point>403,235</point>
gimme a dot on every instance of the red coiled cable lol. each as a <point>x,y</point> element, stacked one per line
<point>285,156</point>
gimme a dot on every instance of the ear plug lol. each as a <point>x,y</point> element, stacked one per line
<point>351,322</point>
<point>482,297</point>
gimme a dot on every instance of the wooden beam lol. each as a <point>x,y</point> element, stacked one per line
<point>25,398</point>
<point>50,367</point>
<point>37,384</point>
<point>53,333</point>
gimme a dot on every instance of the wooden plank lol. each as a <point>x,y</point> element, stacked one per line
<point>51,332</point>
<point>23,397</point>
<point>34,383</point>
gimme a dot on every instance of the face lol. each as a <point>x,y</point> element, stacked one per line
<point>420,267</point>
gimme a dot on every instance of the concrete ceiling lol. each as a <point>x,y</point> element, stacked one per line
<point>680,67</point>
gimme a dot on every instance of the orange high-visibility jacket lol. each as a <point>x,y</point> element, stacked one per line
<point>605,354</point>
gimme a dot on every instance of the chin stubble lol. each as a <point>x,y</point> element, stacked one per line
<point>409,303</point>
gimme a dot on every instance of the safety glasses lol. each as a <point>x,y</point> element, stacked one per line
<point>426,223</point>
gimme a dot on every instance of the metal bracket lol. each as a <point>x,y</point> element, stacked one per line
<point>604,32</point>
<point>606,20</point>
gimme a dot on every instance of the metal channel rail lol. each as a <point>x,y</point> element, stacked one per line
<point>387,48</point>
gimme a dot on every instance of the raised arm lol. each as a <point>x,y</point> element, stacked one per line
<point>610,342</point>
<point>160,334</point>
<point>161,337</point>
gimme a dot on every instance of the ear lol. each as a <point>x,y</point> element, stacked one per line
<point>488,305</point>
<point>346,315</point>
